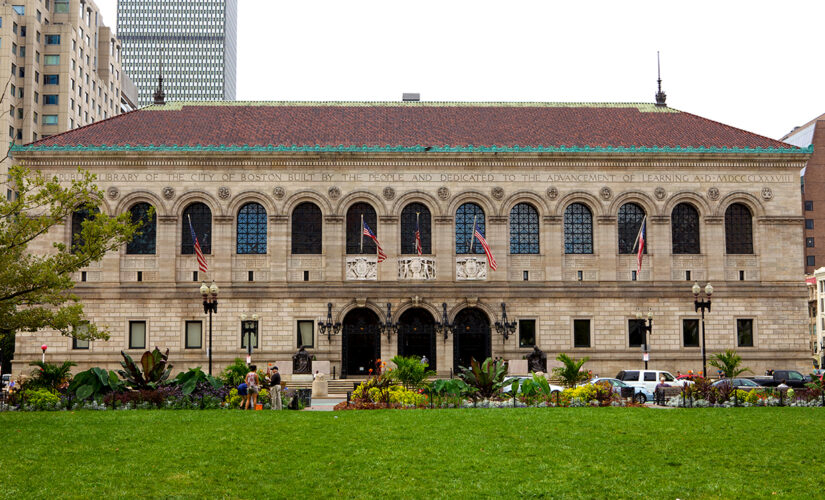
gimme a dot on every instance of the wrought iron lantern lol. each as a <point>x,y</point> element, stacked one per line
<point>504,327</point>
<point>388,327</point>
<point>445,327</point>
<point>329,328</point>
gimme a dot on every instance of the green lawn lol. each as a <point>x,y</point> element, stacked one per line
<point>573,452</point>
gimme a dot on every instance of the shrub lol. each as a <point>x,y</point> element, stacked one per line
<point>156,369</point>
<point>234,374</point>
<point>95,382</point>
<point>41,399</point>
<point>410,372</point>
<point>189,380</point>
<point>486,378</point>
<point>49,375</point>
<point>571,373</point>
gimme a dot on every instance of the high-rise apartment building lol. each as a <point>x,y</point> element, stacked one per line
<point>195,40</point>
<point>59,69</point>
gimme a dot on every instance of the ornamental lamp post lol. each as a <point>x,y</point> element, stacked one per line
<point>703,305</point>
<point>504,327</point>
<point>44,347</point>
<point>445,327</point>
<point>388,327</point>
<point>647,328</point>
<point>210,305</point>
<point>248,328</point>
<point>329,328</point>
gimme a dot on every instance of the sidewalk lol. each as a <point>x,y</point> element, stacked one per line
<point>324,404</point>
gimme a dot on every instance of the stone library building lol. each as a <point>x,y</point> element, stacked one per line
<point>451,230</point>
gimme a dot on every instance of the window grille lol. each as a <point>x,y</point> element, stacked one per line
<point>524,229</point>
<point>578,229</point>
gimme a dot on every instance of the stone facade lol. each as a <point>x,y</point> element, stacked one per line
<point>551,287</point>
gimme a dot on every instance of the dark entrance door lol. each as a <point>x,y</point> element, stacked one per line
<point>361,342</point>
<point>472,337</point>
<point>416,335</point>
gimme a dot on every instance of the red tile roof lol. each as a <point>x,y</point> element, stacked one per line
<point>428,124</point>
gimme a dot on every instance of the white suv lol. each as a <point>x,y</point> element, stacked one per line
<point>648,379</point>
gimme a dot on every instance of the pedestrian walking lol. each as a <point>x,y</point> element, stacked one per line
<point>275,388</point>
<point>252,384</point>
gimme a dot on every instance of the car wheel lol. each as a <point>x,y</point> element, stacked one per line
<point>640,398</point>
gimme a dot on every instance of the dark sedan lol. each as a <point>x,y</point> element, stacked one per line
<point>744,384</point>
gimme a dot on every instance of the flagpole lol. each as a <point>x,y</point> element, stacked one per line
<point>473,234</point>
<point>639,234</point>
<point>192,231</point>
<point>417,231</point>
<point>362,233</point>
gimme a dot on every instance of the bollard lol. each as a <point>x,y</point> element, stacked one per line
<point>349,394</point>
<point>781,397</point>
<point>333,373</point>
<point>683,396</point>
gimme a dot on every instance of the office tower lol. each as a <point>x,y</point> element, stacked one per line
<point>59,68</point>
<point>195,40</point>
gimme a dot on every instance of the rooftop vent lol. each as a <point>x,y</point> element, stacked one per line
<point>410,97</point>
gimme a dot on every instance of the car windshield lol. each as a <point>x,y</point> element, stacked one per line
<point>668,377</point>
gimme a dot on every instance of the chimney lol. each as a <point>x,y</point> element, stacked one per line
<point>411,97</point>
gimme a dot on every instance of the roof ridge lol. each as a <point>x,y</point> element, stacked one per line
<point>641,106</point>
<point>65,132</point>
<point>754,134</point>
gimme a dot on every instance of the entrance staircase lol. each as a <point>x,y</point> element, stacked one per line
<point>338,386</point>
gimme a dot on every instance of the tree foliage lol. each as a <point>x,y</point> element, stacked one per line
<point>729,363</point>
<point>570,373</point>
<point>35,288</point>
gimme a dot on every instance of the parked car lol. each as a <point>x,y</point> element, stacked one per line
<point>509,380</point>
<point>640,394</point>
<point>4,382</point>
<point>649,379</point>
<point>773,378</point>
<point>744,384</point>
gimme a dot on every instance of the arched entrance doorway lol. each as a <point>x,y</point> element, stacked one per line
<point>416,335</point>
<point>472,338</point>
<point>361,342</point>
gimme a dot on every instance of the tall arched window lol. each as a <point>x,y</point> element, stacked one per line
<point>357,243</point>
<point>416,217</point>
<point>630,222</point>
<point>578,229</point>
<point>684,227</point>
<point>307,229</point>
<point>201,218</point>
<point>738,229</point>
<point>524,229</point>
<point>251,233</point>
<point>79,216</point>
<point>143,243</point>
<point>464,218</point>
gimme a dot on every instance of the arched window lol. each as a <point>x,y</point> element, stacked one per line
<point>357,243</point>
<point>464,218</point>
<point>524,229</point>
<point>251,237</point>
<point>630,222</point>
<point>201,218</point>
<point>307,229</point>
<point>578,229</point>
<point>738,229</point>
<point>79,216</point>
<point>143,243</point>
<point>684,227</point>
<point>416,216</point>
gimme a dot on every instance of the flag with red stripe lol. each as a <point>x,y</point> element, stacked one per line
<point>418,249</point>
<point>202,267</point>
<point>640,241</point>
<point>369,234</point>
<point>491,261</point>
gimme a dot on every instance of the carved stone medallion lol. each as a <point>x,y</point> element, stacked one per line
<point>606,193</point>
<point>497,192</point>
<point>334,193</point>
<point>113,193</point>
<point>552,193</point>
<point>278,192</point>
<point>389,193</point>
<point>168,192</point>
<point>223,192</point>
<point>659,193</point>
<point>443,192</point>
<point>767,193</point>
<point>713,193</point>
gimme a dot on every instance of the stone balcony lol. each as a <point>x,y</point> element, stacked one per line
<point>470,268</point>
<point>362,268</point>
<point>416,268</point>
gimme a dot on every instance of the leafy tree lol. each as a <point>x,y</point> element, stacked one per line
<point>571,373</point>
<point>35,289</point>
<point>235,374</point>
<point>728,362</point>
<point>50,376</point>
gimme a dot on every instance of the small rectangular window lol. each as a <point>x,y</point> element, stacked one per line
<point>51,79</point>
<point>251,276</point>
<point>526,275</point>
<point>687,276</point>
<point>690,332</point>
<point>51,59</point>
<point>137,335</point>
<point>809,205</point>
<point>194,331</point>
<point>140,275</point>
<point>82,275</point>
<point>809,223</point>
<point>809,242</point>
<point>581,333</point>
<point>579,275</point>
<point>306,275</point>
<point>194,276</point>
<point>744,332</point>
<point>526,332</point>
<point>49,119</point>
<point>52,39</point>
<point>77,343</point>
<point>741,275</point>
<point>50,99</point>
<point>810,260</point>
<point>636,332</point>
<point>632,275</point>
<point>249,330</point>
<point>306,333</point>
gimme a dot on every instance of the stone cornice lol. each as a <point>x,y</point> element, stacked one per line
<point>388,219</point>
<point>168,219</point>
<point>714,219</point>
<point>606,219</point>
<point>334,219</point>
<point>659,219</point>
<point>780,220</point>
<point>279,219</point>
<point>223,219</point>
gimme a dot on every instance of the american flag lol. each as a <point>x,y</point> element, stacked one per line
<point>418,248</point>
<point>368,233</point>
<point>491,261</point>
<point>202,267</point>
<point>640,241</point>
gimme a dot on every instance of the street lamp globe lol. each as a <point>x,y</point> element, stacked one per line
<point>204,290</point>
<point>697,289</point>
<point>254,317</point>
<point>708,290</point>
<point>638,314</point>
<point>213,289</point>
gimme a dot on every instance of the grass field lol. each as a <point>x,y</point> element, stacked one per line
<point>570,452</point>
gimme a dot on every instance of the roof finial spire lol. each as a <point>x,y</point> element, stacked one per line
<point>660,96</point>
<point>160,95</point>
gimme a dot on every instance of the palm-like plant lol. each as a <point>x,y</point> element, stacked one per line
<point>570,374</point>
<point>51,376</point>
<point>156,369</point>
<point>728,362</point>
<point>486,378</point>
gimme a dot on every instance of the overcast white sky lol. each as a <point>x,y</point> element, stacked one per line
<point>755,64</point>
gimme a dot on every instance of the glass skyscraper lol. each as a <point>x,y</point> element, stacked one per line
<point>195,39</point>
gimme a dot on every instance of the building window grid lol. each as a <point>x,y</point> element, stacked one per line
<point>738,230</point>
<point>578,229</point>
<point>355,230</point>
<point>144,240</point>
<point>630,222</point>
<point>251,231</point>
<point>684,223</point>
<point>744,332</point>
<point>307,229</point>
<point>524,229</point>
<point>416,213</point>
<point>464,239</point>
<point>201,217</point>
